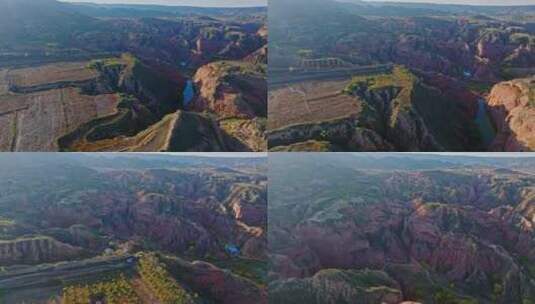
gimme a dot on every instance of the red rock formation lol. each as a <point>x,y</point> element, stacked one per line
<point>512,108</point>
<point>231,90</point>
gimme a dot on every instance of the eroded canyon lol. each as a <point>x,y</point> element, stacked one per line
<point>88,77</point>
<point>389,228</point>
<point>83,228</point>
<point>400,77</point>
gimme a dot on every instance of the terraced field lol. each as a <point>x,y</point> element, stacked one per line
<point>55,106</point>
<point>51,74</point>
<point>75,106</point>
<point>310,102</point>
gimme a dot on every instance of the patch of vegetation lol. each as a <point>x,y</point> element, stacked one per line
<point>309,146</point>
<point>102,64</point>
<point>114,291</point>
<point>447,296</point>
<point>158,280</point>
<point>230,68</point>
<point>531,96</point>
<point>400,77</point>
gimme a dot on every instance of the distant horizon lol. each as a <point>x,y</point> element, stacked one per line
<point>192,3</point>
<point>445,154</point>
<point>475,154</point>
<point>209,154</point>
<point>461,2</point>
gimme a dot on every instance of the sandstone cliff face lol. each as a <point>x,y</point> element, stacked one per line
<point>248,204</point>
<point>512,108</point>
<point>236,93</point>
<point>231,89</point>
<point>36,250</point>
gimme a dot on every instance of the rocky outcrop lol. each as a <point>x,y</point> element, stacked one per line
<point>237,94</point>
<point>231,90</point>
<point>248,203</point>
<point>512,108</point>
<point>36,250</point>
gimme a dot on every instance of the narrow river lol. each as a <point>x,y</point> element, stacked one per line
<point>486,129</point>
<point>188,94</point>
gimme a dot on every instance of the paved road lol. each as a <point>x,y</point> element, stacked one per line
<point>280,77</point>
<point>44,275</point>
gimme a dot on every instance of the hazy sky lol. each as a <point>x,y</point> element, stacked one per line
<point>480,154</point>
<point>203,3</point>
<point>474,2</point>
<point>218,154</point>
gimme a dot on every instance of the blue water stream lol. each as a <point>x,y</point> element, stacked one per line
<point>188,94</point>
<point>486,129</point>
